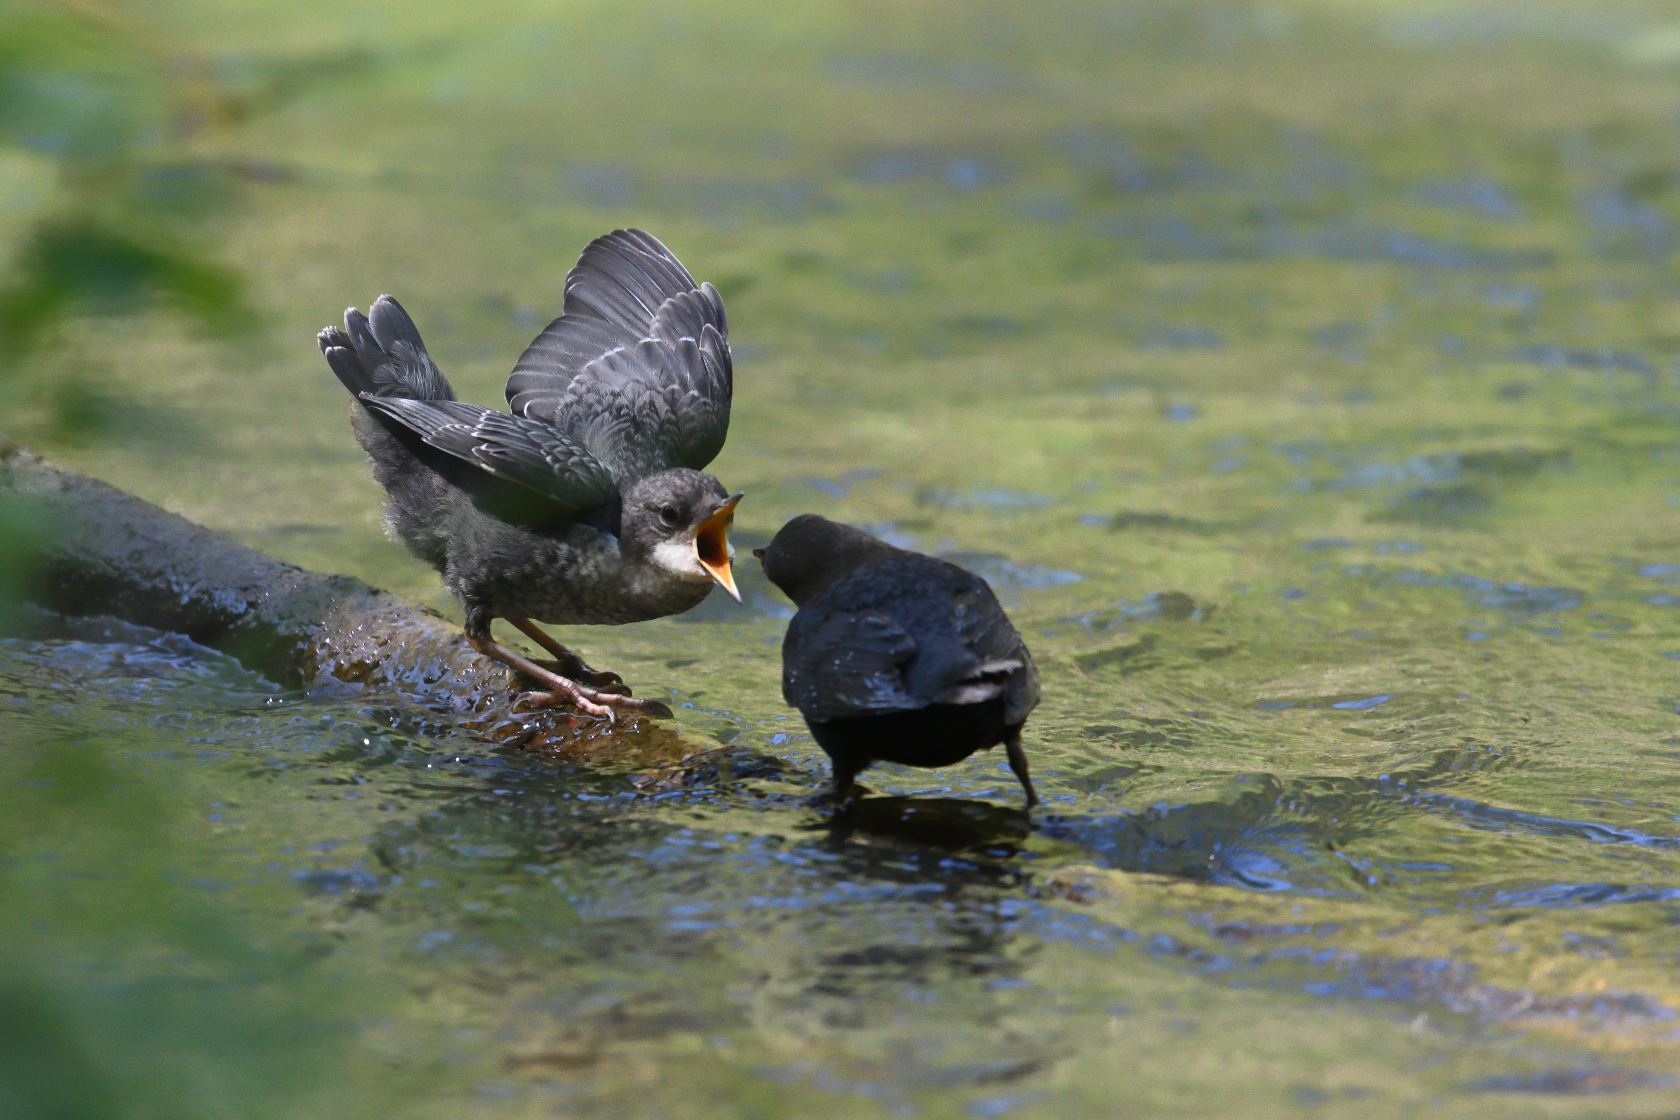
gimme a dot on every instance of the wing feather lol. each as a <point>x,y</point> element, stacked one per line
<point>637,369</point>
<point>527,452</point>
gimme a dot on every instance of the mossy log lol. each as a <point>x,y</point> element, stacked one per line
<point>78,546</point>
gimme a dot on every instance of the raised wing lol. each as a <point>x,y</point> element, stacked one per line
<point>513,448</point>
<point>637,368</point>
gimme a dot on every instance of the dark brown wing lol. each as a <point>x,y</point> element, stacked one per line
<point>637,369</point>
<point>513,448</point>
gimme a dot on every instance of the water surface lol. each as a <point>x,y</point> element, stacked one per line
<point>1302,377</point>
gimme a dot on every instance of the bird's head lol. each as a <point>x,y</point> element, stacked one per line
<point>811,552</point>
<point>679,521</point>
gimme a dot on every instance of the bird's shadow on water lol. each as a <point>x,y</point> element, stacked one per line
<point>952,823</point>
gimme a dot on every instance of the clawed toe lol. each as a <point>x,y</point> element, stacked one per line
<point>623,700</point>
<point>536,701</point>
<point>575,670</point>
<point>598,703</point>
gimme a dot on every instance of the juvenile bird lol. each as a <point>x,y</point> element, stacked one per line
<point>895,656</point>
<point>587,504</point>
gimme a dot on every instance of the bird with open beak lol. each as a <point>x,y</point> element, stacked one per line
<point>588,503</point>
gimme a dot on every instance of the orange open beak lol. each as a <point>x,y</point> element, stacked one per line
<point>711,543</point>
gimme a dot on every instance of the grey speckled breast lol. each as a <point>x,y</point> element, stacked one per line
<point>579,577</point>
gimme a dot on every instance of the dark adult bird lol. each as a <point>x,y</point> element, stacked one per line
<point>588,503</point>
<point>895,656</point>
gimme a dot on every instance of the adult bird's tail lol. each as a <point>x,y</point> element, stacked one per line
<point>381,354</point>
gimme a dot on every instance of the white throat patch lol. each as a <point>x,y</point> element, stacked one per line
<point>680,558</point>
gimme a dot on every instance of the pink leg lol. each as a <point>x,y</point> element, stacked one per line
<point>567,663</point>
<point>564,691</point>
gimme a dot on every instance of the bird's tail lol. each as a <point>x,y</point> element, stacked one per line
<point>381,355</point>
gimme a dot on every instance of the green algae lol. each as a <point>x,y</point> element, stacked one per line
<point>1331,347</point>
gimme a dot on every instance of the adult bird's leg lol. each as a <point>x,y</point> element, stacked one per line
<point>1018,763</point>
<point>593,701</point>
<point>845,782</point>
<point>567,663</point>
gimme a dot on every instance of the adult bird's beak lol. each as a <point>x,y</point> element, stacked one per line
<point>711,544</point>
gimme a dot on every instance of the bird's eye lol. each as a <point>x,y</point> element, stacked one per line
<point>669,515</point>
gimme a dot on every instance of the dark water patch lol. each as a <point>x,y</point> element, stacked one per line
<point>1604,359</point>
<point>984,325</point>
<point>1441,472</point>
<point>338,881</point>
<point>1427,469</point>
<point>1622,226</point>
<point>887,281</point>
<point>1344,339</point>
<point>721,198</point>
<point>841,486</point>
<point>1169,237</point>
<point>1357,242</point>
<point>1474,194</point>
<point>1114,165</point>
<point>1437,505</point>
<point>893,532</point>
<point>1573,1082</point>
<point>956,824</point>
<point>1185,338</point>
<point>1163,237</point>
<point>1157,606</point>
<point>1047,208</point>
<point>1132,657</point>
<point>1523,299</point>
<point>1518,598</point>
<point>1003,573</point>
<point>201,187</point>
<point>894,71</point>
<point>1481,815</point>
<point>1452,984</point>
<point>605,184</point>
<point>958,172</point>
<point>1568,896</point>
<point>1317,173</point>
<point>1514,463</point>
<point>1508,596</point>
<point>717,769</point>
<point>1129,520</point>
<point>983,498</point>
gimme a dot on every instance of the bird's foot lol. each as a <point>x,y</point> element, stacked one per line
<point>595,702</point>
<point>566,663</point>
<point>575,670</point>
<point>832,798</point>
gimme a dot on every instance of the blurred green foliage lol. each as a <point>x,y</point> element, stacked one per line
<point>141,998</point>
<point>91,93</point>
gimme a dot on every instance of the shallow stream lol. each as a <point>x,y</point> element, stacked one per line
<point>1303,377</point>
